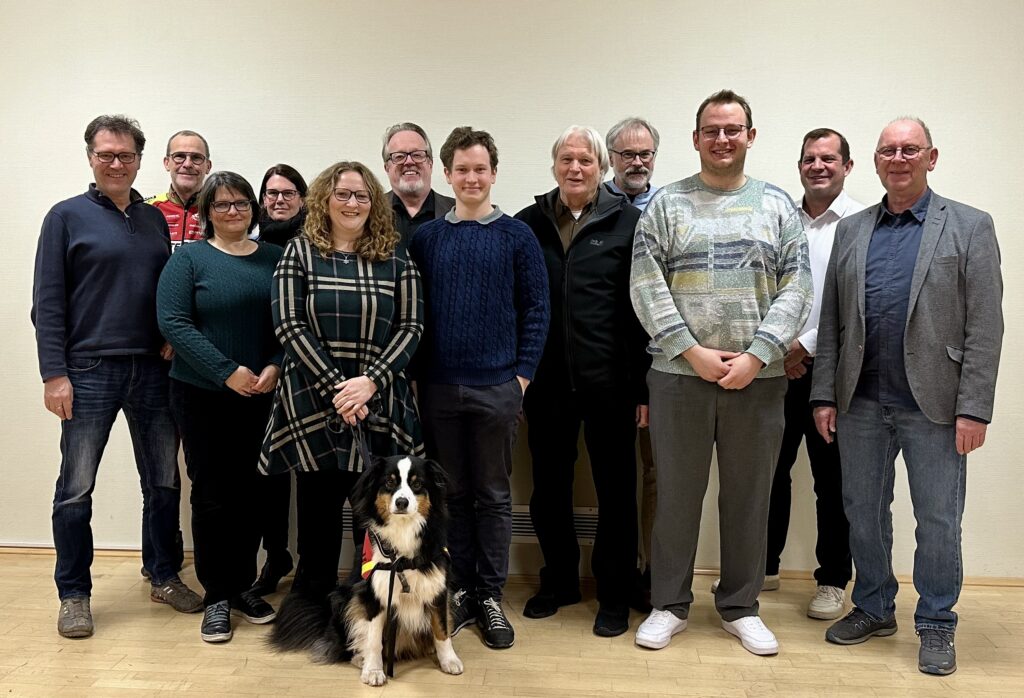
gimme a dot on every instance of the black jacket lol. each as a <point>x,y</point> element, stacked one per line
<point>595,340</point>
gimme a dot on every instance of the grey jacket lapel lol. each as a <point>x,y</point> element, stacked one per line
<point>867,227</point>
<point>933,224</point>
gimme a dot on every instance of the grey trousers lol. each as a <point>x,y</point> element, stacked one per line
<point>689,416</point>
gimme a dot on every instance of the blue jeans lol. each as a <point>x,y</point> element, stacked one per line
<point>870,436</point>
<point>136,385</point>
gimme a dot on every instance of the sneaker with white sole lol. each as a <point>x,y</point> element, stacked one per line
<point>754,634</point>
<point>827,603</point>
<point>771,583</point>
<point>657,630</point>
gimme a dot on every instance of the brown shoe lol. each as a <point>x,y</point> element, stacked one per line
<point>75,617</point>
<point>177,595</point>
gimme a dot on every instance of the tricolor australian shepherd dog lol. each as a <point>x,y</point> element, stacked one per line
<point>401,503</point>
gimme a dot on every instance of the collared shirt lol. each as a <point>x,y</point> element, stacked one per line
<point>568,224</point>
<point>888,271</point>
<point>640,200</point>
<point>821,232</point>
<point>405,224</point>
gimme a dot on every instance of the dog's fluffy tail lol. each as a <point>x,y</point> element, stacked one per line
<point>301,621</point>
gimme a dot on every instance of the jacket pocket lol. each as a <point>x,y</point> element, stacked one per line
<point>955,353</point>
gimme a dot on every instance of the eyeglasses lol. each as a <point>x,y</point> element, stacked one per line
<point>107,158</point>
<point>180,158</point>
<point>286,194</point>
<point>909,151</point>
<point>224,206</point>
<point>710,133</point>
<point>631,155</point>
<point>343,195</point>
<point>416,156</point>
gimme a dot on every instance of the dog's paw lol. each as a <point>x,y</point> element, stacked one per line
<point>373,677</point>
<point>451,665</point>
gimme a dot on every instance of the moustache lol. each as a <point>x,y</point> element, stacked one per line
<point>638,171</point>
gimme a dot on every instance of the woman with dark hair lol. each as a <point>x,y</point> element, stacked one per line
<point>282,214</point>
<point>348,310</point>
<point>213,306</point>
<point>283,204</point>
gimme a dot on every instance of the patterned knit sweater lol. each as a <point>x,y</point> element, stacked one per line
<point>727,270</point>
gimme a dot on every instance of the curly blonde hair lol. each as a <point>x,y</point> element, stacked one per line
<point>379,237</point>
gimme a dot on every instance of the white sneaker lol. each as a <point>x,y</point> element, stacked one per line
<point>753,633</point>
<point>657,631</point>
<point>827,603</point>
<point>771,583</point>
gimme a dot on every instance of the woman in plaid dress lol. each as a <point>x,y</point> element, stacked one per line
<point>348,310</point>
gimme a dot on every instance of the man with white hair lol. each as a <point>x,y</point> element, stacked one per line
<point>409,164</point>
<point>591,373</point>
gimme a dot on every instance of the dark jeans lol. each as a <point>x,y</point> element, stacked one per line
<point>137,386</point>
<point>319,500</point>
<point>554,414</point>
<point>833,546</point>
<point>222,433</point>
<point>274,499</point>
<point>870,437</point>
<point>471,430</point>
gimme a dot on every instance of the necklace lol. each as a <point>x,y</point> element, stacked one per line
<point>346,257</point>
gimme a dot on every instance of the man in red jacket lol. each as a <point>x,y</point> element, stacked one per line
<point>188,161</point>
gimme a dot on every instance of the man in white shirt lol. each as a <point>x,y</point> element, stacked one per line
<point>824,165</point>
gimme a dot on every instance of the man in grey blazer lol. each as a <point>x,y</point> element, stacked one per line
<point>908,350</point>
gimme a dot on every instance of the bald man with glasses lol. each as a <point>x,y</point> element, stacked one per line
<point>188,161</point>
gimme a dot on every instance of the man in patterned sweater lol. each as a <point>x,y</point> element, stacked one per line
<point>721,282</point>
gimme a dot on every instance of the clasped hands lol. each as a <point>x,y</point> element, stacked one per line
<point>732,370</point>
<point>246,383</point>
<point>351,398</point>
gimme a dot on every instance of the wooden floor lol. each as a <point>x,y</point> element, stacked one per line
<point>144,649</point>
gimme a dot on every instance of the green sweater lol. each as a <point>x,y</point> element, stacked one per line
<point>727,270</point>
<point>214,309</point>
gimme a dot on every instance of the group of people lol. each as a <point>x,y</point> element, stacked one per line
<point>712,313</point>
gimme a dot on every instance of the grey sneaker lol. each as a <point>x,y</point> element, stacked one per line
<point>179,596</point>
<point>75,618</point>
<point>858,627</point>
<point>937,655</point>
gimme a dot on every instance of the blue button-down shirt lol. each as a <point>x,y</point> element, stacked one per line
<point>888,271</point>
<point>640,200</point>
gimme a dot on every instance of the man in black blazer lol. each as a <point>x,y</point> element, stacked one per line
<point>908,349</point>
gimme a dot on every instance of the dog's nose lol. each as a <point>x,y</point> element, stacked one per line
<point>401,504</point>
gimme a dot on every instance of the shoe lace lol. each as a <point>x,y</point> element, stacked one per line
<point>752,623</point>
<point>74,607</point>
<point>218,613</point>
<point>831,594</point>
<point>495,617</point>
<point>659,619</point>
<point>459,597</point>
<point>936,640</point>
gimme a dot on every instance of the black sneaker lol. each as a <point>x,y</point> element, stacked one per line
<point>937,654</point>
<point>465,610</point>
<point>253,608</point>
<point>497,631</point>
<point>612,620</point>
<point>274,569</point>
<point>216,625</point>
<point>857,626</point>
<point>546,603</point>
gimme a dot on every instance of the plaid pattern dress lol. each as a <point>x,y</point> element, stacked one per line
<point>338,317</point>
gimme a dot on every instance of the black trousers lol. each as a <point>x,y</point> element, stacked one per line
<point>222,433</point>
<point>554,414</point>
<point>833,547</point>
<point>319,499</point>
<point>275,500</point>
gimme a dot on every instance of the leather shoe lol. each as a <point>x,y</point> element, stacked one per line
<point>612,620</point>
<point>546,603</point>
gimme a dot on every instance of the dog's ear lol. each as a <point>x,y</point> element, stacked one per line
<point>437,473</point>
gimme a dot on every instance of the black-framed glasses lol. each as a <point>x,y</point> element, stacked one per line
<point>242,205</point>
<point>343,195</point>
<point>732,132</point>
<point>631,155</point>
<point>286,194</point>
<point>107,158</point>
<point>417,156</point>
<point>180,158</point>
<point>909,152</point>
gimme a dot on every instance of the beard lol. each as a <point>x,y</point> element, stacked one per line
<point>407,187</point>
<point>635,180</point>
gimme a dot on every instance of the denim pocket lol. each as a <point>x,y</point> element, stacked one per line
<point>83,365</point>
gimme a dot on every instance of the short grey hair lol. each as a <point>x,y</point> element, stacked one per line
<point>632,123</point>
<point>405,126</point>
<point>919,122</point>
<point>593,139</point>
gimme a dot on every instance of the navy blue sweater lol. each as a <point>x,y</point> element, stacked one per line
<point>486,290</point>
<point>94,292</point>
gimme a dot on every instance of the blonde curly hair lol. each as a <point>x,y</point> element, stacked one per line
<point>379,237</point>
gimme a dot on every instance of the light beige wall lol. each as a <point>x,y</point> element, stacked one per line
<point>313,82</point>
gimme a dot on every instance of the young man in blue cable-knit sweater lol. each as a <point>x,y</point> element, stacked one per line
<point>487,318</point>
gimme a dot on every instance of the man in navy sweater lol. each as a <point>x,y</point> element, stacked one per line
<point>487,318</point>
<point>100,351</point>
